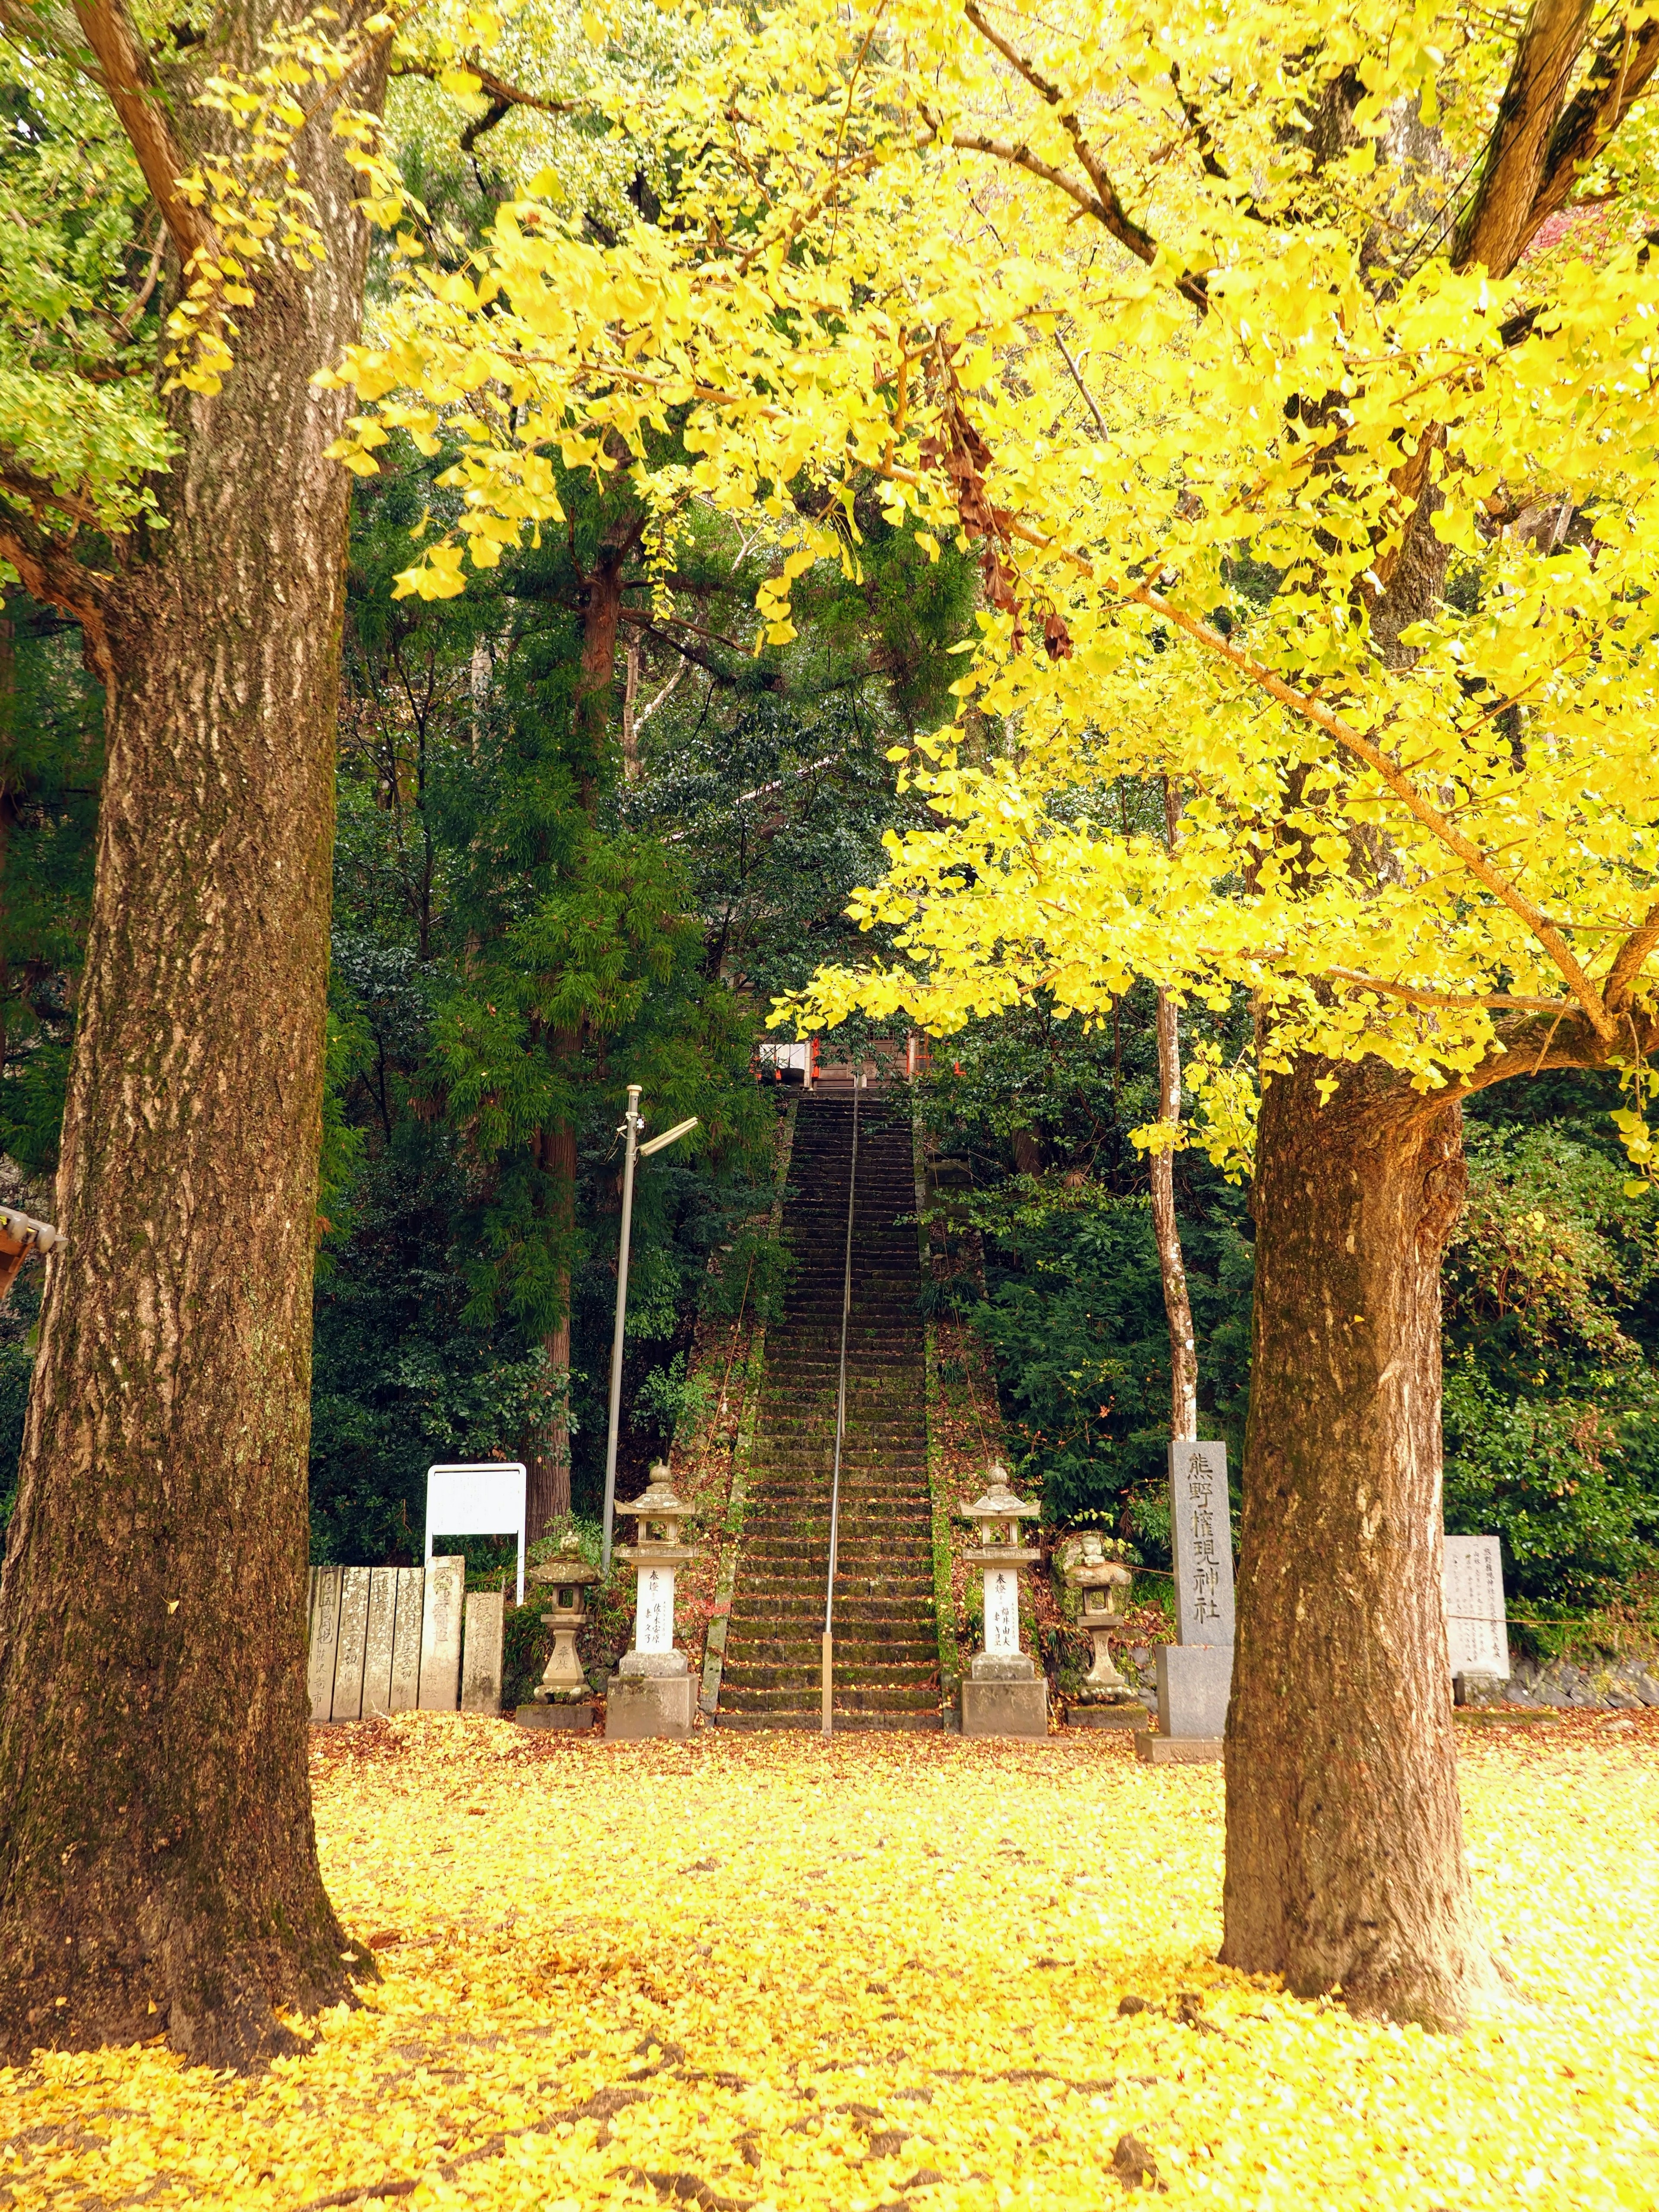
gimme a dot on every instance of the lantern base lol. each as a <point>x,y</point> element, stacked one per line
<point>637,1706</point>
<point>574,1713</point>
<point>1106,1717</point>
<point>1004,1707</point>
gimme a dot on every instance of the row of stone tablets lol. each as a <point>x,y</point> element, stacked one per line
<point>395,1639</point>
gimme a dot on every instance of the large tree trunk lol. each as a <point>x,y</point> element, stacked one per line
<point>158,1865</point>
<point>1166,1229</point>
<point>1345,1835</point>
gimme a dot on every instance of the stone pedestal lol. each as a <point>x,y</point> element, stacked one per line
<point>1194,1683</point>
<point>1177,1750</point>
<point>575,1714</point>
<point>640,1706</point>
<point>1005,1707</point>
<point>1132,1716</point>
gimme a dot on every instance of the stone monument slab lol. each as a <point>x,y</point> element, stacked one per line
<point>572,1714</point>
<point>441,1635</point>
<point>348,1703</point>
<point>481,1661</point>
<point>378,1643</point>
<point>1477,1630</point>
<point>325,1641</point>
<point>1201,1529</point>
<point>405,1695</point>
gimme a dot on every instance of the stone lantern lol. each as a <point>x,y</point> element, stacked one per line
<point>1004,1694</point>
<point>1105,1699</point>
<point>562,1698</point>
<point>651,1694</point>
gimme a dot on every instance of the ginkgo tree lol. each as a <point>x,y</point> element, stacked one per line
<point>198,188</point>
<point>1291,369</point>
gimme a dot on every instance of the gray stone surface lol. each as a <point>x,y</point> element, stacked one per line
<point>1004,1707</point>
<point>441,1635</point>
<point>348,1703</point>
<point>1194,1682</point>
<point>574,1714</point>
<point>324,1640</point>
<point>1177,1750</point>
<point>1107,1717</point>
<point>1201,1528</point>
<point>642,1705</point>
<point>378,1643</point>
<point>1610,1684</point>
<point>1477,1641</point>
<point>656,1666</point>
<point>481,1657</point>
<point>406,1641</point>
<point>1001,1666</point>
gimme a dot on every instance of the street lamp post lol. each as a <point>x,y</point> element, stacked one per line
<point>632,1122</point>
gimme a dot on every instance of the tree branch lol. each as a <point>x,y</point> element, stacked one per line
<point>50,573</point>
<point>123,70</point>
<point>1499,219</point>
<point>1615,80</point>
<point>1631,960</point>
<point>500,93</point>
<point>1106,206</point>
<point>1417,995</point>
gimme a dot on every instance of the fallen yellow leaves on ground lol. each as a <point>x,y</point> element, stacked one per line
<point>748,1971</point>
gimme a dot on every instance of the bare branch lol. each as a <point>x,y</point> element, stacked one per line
<point>1105,206</point>
<point>499,92</point>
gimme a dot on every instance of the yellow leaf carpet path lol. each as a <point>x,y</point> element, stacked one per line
<point>754,1972</point>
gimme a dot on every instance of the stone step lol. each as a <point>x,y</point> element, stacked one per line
<point>873,1697</point>
<point>890,1723</point>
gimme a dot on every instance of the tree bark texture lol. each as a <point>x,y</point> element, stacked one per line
<point>1166,1229</point>
<point>158,1864</point>
<point>1345,1843</point>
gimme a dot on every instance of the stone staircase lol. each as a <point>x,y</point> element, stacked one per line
<point>887,1650</point>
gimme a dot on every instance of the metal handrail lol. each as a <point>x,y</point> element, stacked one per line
<point>840,1421</point>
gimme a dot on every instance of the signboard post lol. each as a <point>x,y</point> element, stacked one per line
<point>484,1499</point>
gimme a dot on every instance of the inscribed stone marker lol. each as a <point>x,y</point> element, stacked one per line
<point>377,1649</point>
<point>1477,1633</point>
<point>406,1642</point>
<point>1201,1529</point>
<point>354,1634</point>
<point>481,1670</point>
<point>324,1640</point>
<point>441,1635</point>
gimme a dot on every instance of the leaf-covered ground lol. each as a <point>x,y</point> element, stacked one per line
<point>748,1972</point>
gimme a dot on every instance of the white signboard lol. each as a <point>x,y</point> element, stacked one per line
<point>482,1499</point>
<point>654,1610</point>
<point>1001,1609</point>
<point>1477,1635</point>
<point>1201,1533</point>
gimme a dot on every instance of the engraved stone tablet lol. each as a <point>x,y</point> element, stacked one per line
<point>1201,1537</point>
<point>324,1640</point>
<point>1001,1609</point>
<point>653,1611</point>
<point>406,1641</point>
<point>353,1634</point>
<point>481,1663</point>
<point>441,1635</point>
<point>377,1649</point>
<point>1477,1633</point>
